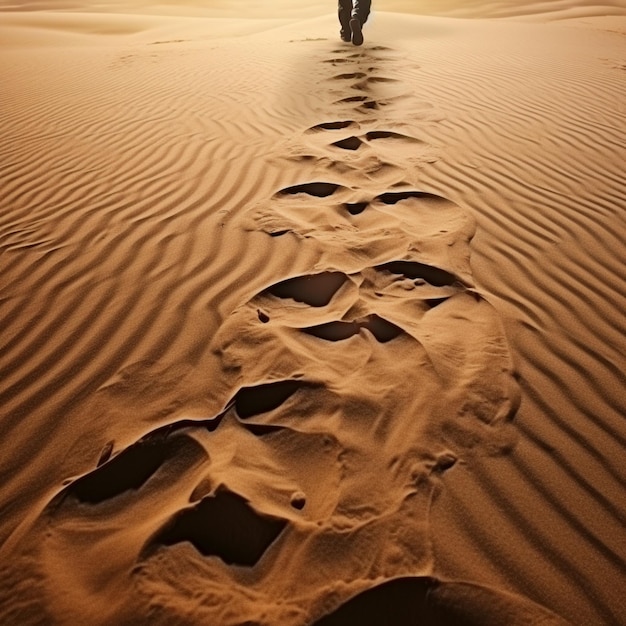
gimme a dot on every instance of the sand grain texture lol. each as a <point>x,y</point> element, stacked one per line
<point>300,333</point>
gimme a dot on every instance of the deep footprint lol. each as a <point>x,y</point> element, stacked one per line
<point>355,208</point>
<point>225,526</point>
<point>353,99</point>
<point>393,197</point>
<point>313,289</point>
<point>419,271</point>
<point>317,189</point>
<point>350,76</point>
<point>333,125</point>
<point>387,134</point>
<point>251,401</point>
<point>135,465</point>
<point>382,330</point>
<point>350,143</point>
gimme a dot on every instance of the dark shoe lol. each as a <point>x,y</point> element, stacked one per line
<point>345,35</point>
<point>357,33</point>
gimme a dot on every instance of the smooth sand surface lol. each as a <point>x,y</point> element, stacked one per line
<point>296,332</point>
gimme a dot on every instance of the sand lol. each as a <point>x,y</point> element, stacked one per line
<point>301,333</point>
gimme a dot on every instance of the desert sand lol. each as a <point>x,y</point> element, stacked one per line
<point>298,333</point>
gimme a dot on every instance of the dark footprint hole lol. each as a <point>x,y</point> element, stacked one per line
<point>129,470</point>
<point>333,125</point>
<point>383,330</point>
<point>370,105</point>
<point>350,76</point>
<point>333,61</point>
<point>414,270</point>
<point>260,430</point>
<point>386,134</point>
<point>399,602</point>
<point>251,401</point>
<point>354,99</point>
<point>314,289</point>
<point>226,526</point>
<point>381,79</point>
<point>319,190</point>
<point>355,208</point>
<point>333,331</point>
<point>393,197</point>
<point>350,143</point>
<point>434,302</point>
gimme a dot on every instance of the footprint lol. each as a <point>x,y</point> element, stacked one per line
<point>349,143</point>
<point>419,272</point>
<point>386,134</point>
<point>132,468</point>
<point>222,525</point>
<point>258,399</point>
<point>355,208</point>
<point>353,99</point>
<point>317,189</point>
<point>349,76</point>
<point>431,602</point>
<point>381,79</point>
<point>354,142</point>
<point>314,289</point>
<point>369,229</point>
<point>332,125</point>
<point>393,197</point>
<point>380,328</point>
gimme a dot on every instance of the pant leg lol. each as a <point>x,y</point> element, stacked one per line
<point>345,13</point>
<point>361,9</point>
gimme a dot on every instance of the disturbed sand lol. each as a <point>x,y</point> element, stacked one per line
<point>297,332</point>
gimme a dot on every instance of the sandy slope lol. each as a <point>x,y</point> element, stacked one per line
<point>270,303</point>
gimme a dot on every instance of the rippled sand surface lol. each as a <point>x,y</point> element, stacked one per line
<point>304,333</point>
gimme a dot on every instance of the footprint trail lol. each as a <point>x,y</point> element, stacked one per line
<point>348,391</point>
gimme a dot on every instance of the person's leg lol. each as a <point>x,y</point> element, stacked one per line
<point>345,14</point>
<point>361,10</point>
<point>360,13</point>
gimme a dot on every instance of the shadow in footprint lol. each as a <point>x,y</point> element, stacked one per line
<point>333,125</point>
<point>317,189</point>
<point>225,526</point>
<point>349,143</point>
<point>313,289</point>
<point>353,99</point>
<point>382,330</point>
<point>130,470</point>
<point>387,134</point>
<point>400,602</point>
<point>355,208</point>
<point>251,401</point>
<point>381,79</point>
<point>133,467</point>
<point>415,271</point>
<point>426,601</point>
<point>350,76</point>
<point>393,197</point>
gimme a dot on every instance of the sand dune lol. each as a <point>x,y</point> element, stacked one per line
<point>296,332</point>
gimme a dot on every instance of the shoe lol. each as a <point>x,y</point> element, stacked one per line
<point>345,35</point>
<point>357,33</point>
